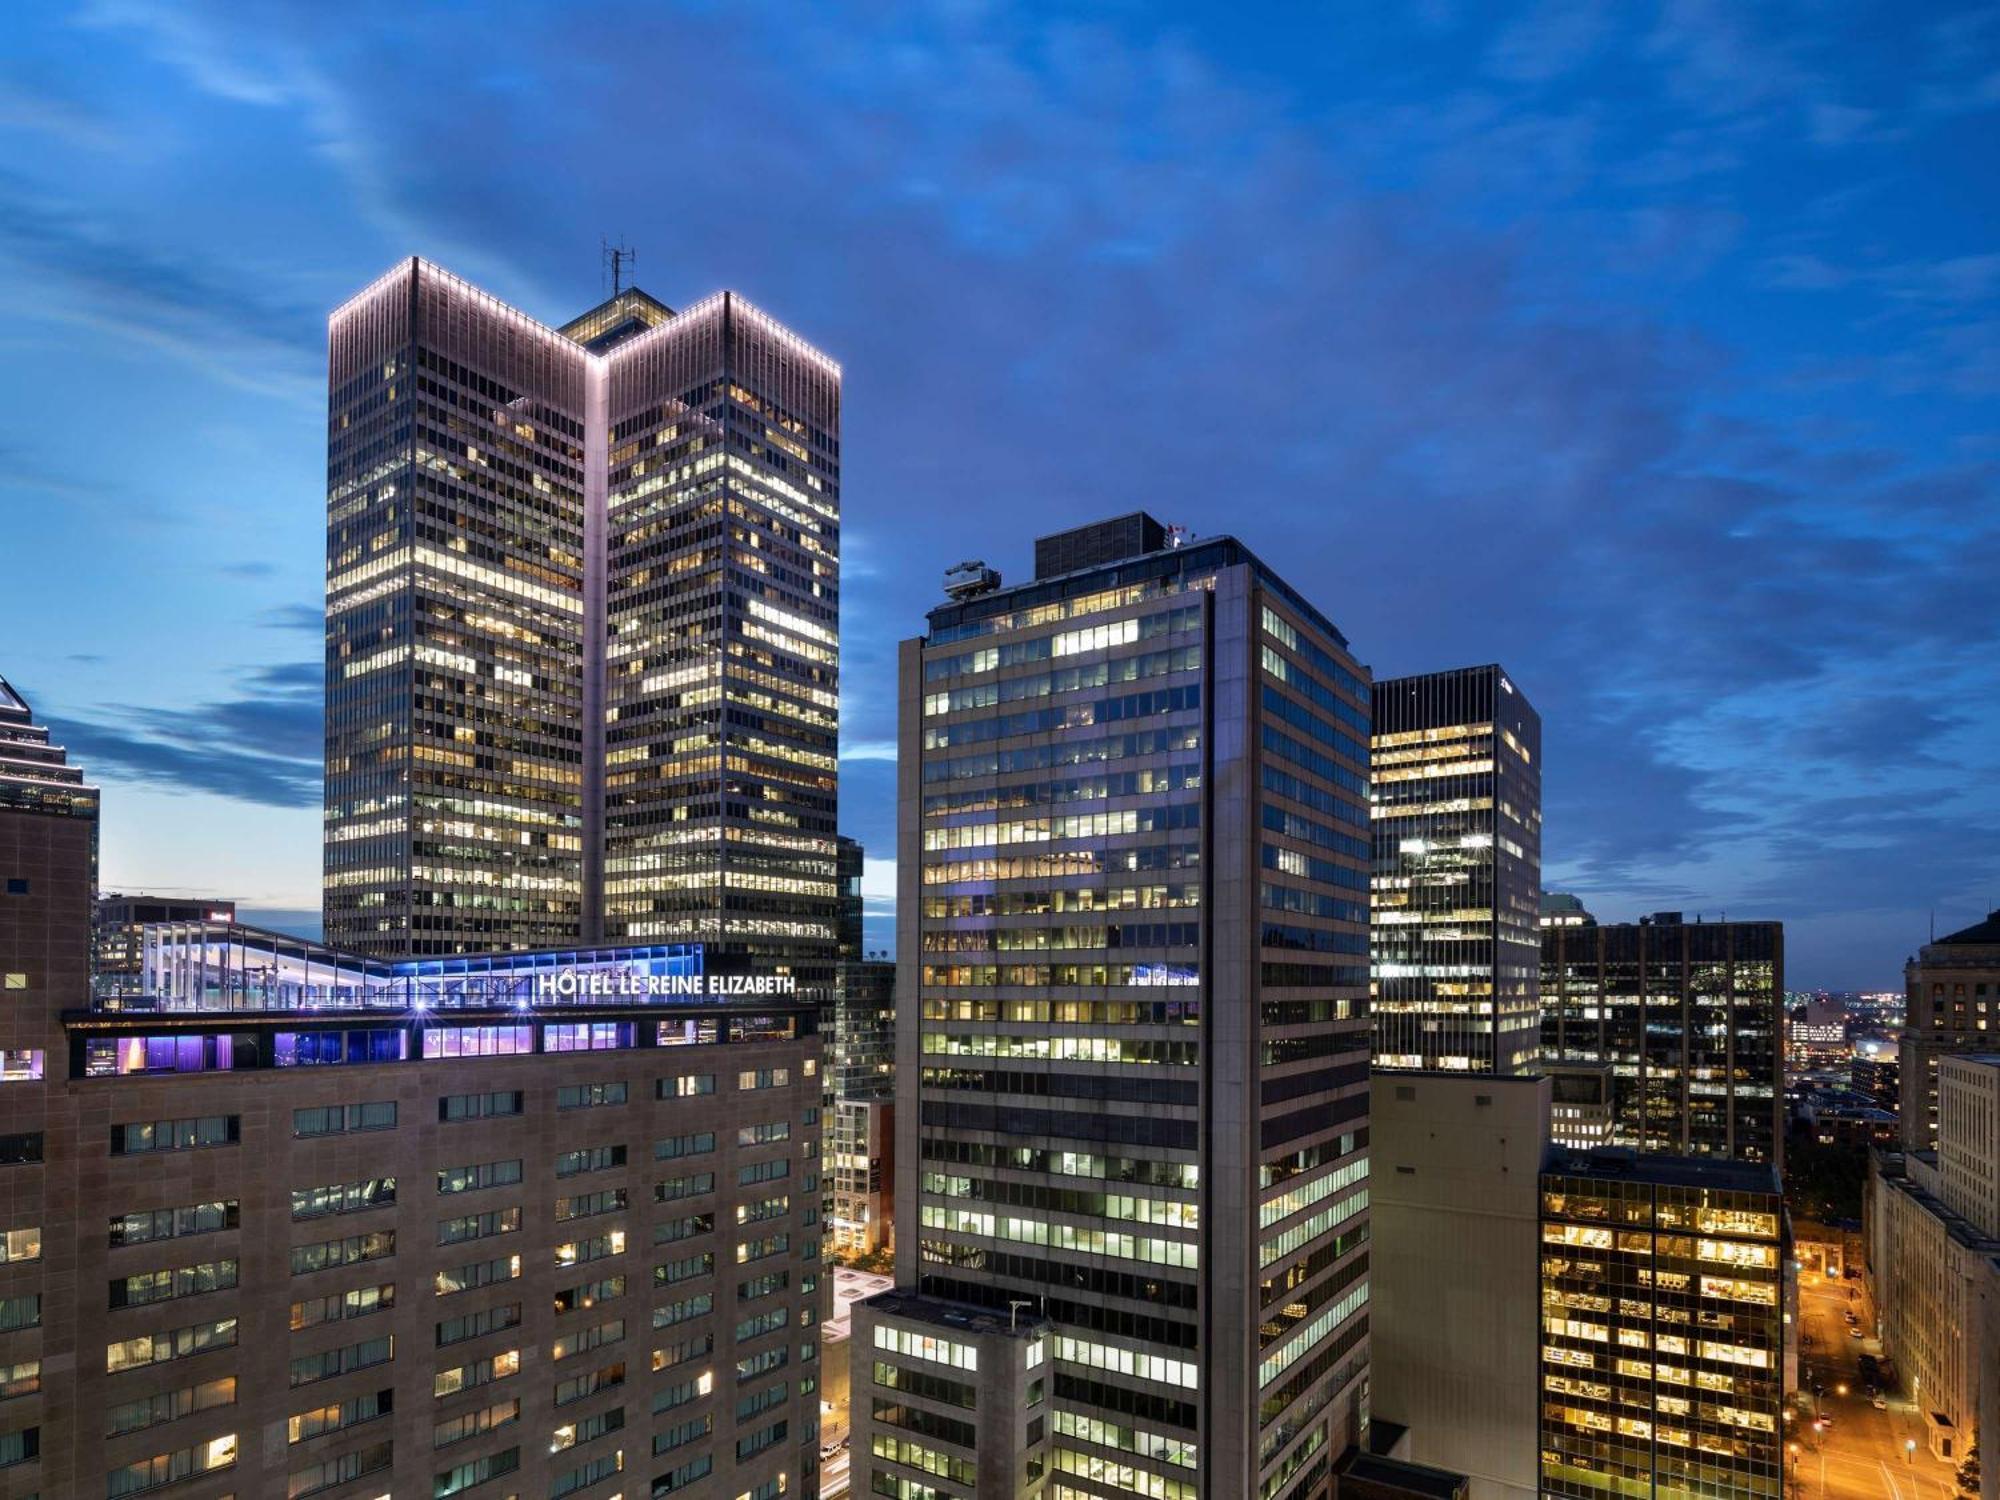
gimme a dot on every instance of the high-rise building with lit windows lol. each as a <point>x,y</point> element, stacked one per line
<point>1952,1005</point>
<point>1456,940</point>
<point>1663,1309</point>
<point>1132,1036</point>
<point>582,626</point>
<point>1688,1017</point>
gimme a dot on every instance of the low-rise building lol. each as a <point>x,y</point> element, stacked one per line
<point>1580,1105</point>
<point>1876,1074</point>
<point>954,1403</point>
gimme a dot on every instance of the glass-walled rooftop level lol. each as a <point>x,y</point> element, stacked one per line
<point>224,966</point>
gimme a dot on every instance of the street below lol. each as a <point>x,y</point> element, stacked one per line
<point>1862,1454</point>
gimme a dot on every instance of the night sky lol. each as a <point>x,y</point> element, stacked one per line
<point>1649,349</point>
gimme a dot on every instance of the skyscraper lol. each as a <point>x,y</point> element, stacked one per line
<point>582,626</point>
<point>1132,1045</point>
<point>1458,872</point>
<point>1689,1016</point>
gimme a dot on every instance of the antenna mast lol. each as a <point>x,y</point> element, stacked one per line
<point>617,259</point>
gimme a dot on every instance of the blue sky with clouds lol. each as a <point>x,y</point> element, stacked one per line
<point>1651,348</point>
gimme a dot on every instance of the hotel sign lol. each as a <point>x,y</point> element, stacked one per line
<point>613,984</point>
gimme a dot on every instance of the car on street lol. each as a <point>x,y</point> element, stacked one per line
<point>1878,1403</point>
<point>1855,1333</point>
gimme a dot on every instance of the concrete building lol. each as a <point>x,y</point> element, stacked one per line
<point>1934,1251</point>
<point>1931,1269</point>
<point>965,1397</point>
<point>1132,1042</point>
<point>1663,1343</point>
<point>861,1176</point>
<point>1969,1138</point>
<point>1689,1017</point>
<point>298,1220</point>
<point>582,602</point>
<point>1456,1228</point>
<point>48,878</point>
<point>1951,1004</point>
<point>1456,797</point>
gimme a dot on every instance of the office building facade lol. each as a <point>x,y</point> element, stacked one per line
<point>1951,1005</point>
<point>1816,1034</point>
<point>1132,1036</point>
<point>860,1035</point>
<point>48,877</point>
<point>960,1395</point>
<point>1690,1018</point>
<point>1880,1078</point>
<point>849,859</point>
<point>582,626</point>
<point>311,1221</point>
<point>860,1176</point>
<point>1457,803</point>
<point>1663,1327</point>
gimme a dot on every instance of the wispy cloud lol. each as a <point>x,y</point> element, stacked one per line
<point>1680,416</point>
<point>264,746</point>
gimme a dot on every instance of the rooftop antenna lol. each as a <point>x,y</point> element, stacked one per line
<point>617,259</point>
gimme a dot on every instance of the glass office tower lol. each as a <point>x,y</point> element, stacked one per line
<point>1458,872</point>
<point>1689,1017</point>
<point>582,623</point>
<point>1132,1045</point>
<point>1663,1328</point>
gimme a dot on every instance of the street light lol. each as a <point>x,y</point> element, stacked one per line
<point>1820,1428</point>
<point>1909,1450</point>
